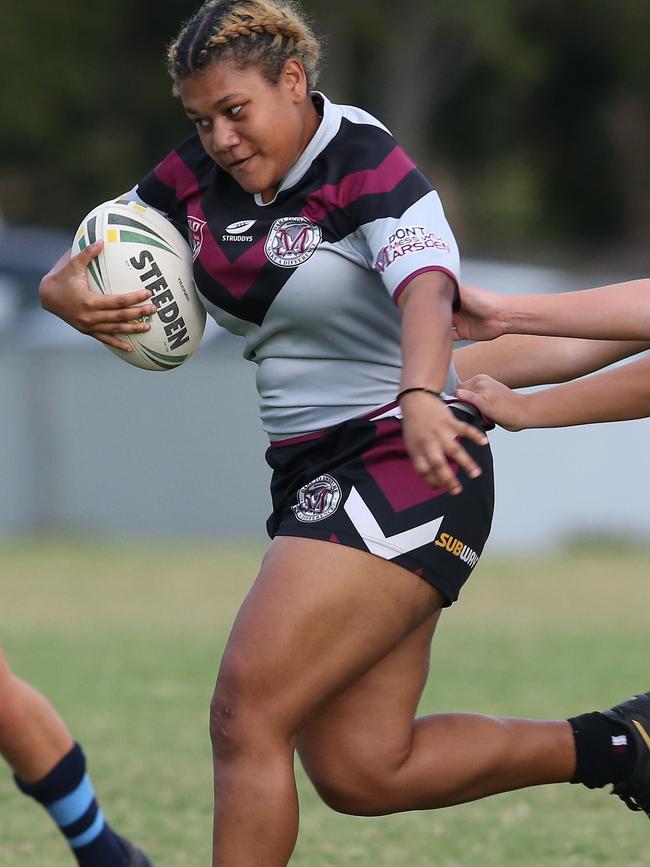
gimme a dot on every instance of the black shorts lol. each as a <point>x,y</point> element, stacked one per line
<point>355,485</point>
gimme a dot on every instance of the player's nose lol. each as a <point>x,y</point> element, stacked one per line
<point>224,137</point>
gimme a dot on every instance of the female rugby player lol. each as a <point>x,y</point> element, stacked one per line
<point>619,311</point>
<point>343,289</point>
<point>51,768</point>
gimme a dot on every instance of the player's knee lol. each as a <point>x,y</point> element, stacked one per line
<point>6,675</point>
<point>10,707</point>
<point>7,685</point>
<point>226,732</point>
<point>352,790</point>
<point>241,718</point>
<point>353,800</point>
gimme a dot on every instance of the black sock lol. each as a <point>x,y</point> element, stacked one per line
<point>605,752</point>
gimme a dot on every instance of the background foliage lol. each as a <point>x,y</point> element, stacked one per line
<point>531,116</point>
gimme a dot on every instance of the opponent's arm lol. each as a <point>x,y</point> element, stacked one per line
<point>431,431</point>
<point>524,360</point>
<point>64,291</point>
<point>620,311</point>
<point>614,395</point>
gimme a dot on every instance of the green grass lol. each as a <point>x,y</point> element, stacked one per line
<point>125,640</point>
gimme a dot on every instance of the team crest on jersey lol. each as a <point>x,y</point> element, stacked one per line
<point>292,241</point>
<point>318,500</point>
<point>196,228</point>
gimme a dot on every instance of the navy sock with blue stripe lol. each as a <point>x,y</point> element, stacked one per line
<point>68,796</point>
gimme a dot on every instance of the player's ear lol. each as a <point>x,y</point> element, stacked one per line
<point>295,80</point>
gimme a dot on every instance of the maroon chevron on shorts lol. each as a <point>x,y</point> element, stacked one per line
<point>355,485</point>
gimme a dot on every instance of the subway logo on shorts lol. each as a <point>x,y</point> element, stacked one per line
<point>457,549</point>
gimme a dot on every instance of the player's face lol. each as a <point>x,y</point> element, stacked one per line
<point>252,129</point>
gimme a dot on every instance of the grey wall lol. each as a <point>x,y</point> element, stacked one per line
<point>90,444</point>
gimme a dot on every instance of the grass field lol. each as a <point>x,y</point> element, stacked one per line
<point>126,640</point>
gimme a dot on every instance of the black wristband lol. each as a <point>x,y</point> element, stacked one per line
<point>419,388</point>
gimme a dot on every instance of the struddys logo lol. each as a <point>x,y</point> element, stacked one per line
<point>318,500</point>
<point>407,240</point>
<point>292,241</point>
<point>196,228</point>
<point>237,232</point>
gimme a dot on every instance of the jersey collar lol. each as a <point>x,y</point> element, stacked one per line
<point>329,126</point>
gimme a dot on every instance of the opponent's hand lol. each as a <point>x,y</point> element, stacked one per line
<point>480,316</point>
<point>432,435</point>
<point>64,291</point>
<point>495,400</point>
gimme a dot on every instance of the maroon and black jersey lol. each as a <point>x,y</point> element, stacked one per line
<point>310,278</point>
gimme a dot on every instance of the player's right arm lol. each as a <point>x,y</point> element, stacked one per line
<point>65,291</point>
<point>620,394</point>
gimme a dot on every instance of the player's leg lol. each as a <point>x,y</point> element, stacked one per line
<point>51,768</point>
<point>317,618</point>
<point>367,754</point>
<point>387,508</point>
<point>33,738</point>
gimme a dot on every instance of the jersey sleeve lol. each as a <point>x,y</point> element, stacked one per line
<point>172,182</point>
<point>404,225</point>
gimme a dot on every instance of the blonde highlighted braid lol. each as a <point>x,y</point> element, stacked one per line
<point>261,33</point>
<point>244,24</point>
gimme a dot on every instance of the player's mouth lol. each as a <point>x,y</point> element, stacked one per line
<point>240,165</point>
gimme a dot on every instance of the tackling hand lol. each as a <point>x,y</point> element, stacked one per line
<point>495,400</point>
<point>480,316</point>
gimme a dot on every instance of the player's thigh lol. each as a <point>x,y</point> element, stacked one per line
<point>318,617</point>
<point>363,735</point>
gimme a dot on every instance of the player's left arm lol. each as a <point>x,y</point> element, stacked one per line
<point>523,360</point>
<point>407,241</point>
<point>432,432</point>
<point>620,394</point>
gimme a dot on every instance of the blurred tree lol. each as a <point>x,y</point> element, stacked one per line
<point>86,100</point>
<point>533,116</point>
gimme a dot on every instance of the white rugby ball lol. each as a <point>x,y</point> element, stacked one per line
<point>143,250</point>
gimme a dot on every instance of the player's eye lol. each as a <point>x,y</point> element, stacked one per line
<point>200,122</point>
<point>234,110</point>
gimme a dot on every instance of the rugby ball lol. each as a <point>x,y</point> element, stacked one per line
<point>143,250</point>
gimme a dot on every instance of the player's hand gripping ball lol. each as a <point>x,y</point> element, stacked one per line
<point>143,250</point>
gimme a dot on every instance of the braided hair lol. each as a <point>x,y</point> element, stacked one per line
<point>261,33</point>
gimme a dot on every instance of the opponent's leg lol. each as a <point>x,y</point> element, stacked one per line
<point>318,617</point>
<point>51,768</point>
<point>33,738</point>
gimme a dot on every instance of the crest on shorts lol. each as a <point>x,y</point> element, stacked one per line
<point>292,241</point>
<point>196,228</point>
<point>318,500</point>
